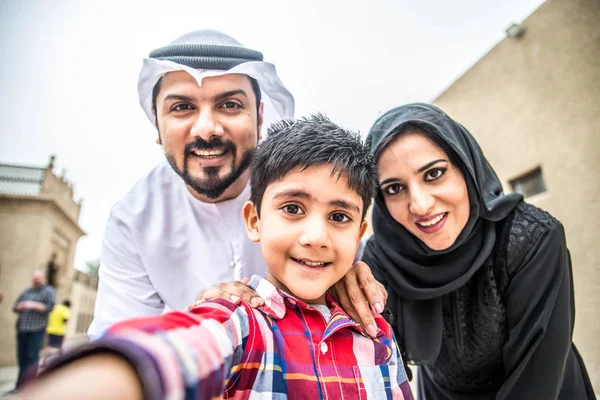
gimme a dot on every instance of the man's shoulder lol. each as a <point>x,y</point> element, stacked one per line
<point>160,183</point>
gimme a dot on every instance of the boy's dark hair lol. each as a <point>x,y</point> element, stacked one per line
<point>309,141</point>
<point>253,83</point>
<point>67,303</point>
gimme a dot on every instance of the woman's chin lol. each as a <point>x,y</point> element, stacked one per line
<point>439,245</point>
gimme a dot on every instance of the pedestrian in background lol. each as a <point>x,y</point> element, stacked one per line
<point>33,306</point>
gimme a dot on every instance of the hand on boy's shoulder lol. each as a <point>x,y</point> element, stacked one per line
<point>236,292</point>
<point>360,294</point>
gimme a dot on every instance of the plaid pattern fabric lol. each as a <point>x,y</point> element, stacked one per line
<point>32,320</point>
<point>284,349</point>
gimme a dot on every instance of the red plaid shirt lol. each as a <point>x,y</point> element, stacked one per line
<point>283,349</point>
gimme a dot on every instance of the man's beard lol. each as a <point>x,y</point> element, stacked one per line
<point>212,186</point>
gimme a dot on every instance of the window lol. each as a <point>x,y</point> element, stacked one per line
<point>529,184</point>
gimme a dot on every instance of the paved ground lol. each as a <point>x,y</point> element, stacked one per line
<point>8,377</point>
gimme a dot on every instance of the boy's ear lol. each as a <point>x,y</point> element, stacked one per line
<point>363,229</point>
<point>260,119</point>
<point>251,220</point>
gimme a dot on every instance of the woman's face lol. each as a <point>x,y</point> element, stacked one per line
<point>423,191</point>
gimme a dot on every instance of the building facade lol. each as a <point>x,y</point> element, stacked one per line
<point>83,297</point>
<point>39,230</point>
<point>533,104</point>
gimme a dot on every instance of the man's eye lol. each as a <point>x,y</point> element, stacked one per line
<point>292,209</point>
<point>392,189</point>
<point>182,107</point>
<point>434,174</point>
<point>340,217</point>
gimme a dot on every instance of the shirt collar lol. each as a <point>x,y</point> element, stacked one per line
<point>277,301</point>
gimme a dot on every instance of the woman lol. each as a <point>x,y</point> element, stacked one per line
<point>479,282</point>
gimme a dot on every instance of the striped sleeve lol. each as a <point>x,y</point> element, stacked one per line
<point>396,364</point>
<point>180,354</point>
<point>399,381</point>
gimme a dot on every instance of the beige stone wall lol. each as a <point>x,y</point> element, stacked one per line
<point>32,229</point>
<point>535,101</point>
<point>83,298</point>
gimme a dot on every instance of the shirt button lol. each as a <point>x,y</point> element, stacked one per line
<point>232,264</point>
<point>324,348</point>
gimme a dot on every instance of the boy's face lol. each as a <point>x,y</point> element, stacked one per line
<point>309,231</point>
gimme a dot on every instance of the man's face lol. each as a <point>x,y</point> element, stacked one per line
<point>309,230</point>
<point>209,133</point>
<point>37,279</point>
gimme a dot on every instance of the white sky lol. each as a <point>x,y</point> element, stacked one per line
<point>69,70</point>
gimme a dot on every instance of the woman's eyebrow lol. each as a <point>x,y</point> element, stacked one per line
<point>388,180</point>
<point>429,164</point>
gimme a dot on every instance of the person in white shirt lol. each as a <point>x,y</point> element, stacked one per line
<point>180,230</point>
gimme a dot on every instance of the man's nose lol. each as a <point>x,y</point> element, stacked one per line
<point>206,125</point>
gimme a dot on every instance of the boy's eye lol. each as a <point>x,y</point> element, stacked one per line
<point>340,217</point>
<point>292,209</point>
<point>231,105</point>
<point>434,174</point>
<point>393,189</point>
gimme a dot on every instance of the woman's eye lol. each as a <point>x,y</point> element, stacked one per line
<point>392,189</point>
<point>339,217</point>
<point>292,209</point>
<point>434,174</point>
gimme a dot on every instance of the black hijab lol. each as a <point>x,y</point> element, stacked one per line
<point>416,276</point>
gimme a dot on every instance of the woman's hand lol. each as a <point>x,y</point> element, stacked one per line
<point>235,292</point>
<point>358,292</point>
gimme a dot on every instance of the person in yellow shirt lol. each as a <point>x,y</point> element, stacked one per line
<point>57,323</point>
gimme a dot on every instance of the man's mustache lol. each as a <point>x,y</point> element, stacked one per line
<point>217,143</point>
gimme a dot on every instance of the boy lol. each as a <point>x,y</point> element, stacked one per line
<point>311,184</point>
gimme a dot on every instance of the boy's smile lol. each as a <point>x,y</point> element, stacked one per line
<point>309,230</point>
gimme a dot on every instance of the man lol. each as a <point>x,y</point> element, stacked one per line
<point>33,306</point>
<point>180,229</point>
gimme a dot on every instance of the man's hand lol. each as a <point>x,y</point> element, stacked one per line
<point>30,305</point>
<point>358,292</point>
<point>37,306</point>
<point>235,292</point>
